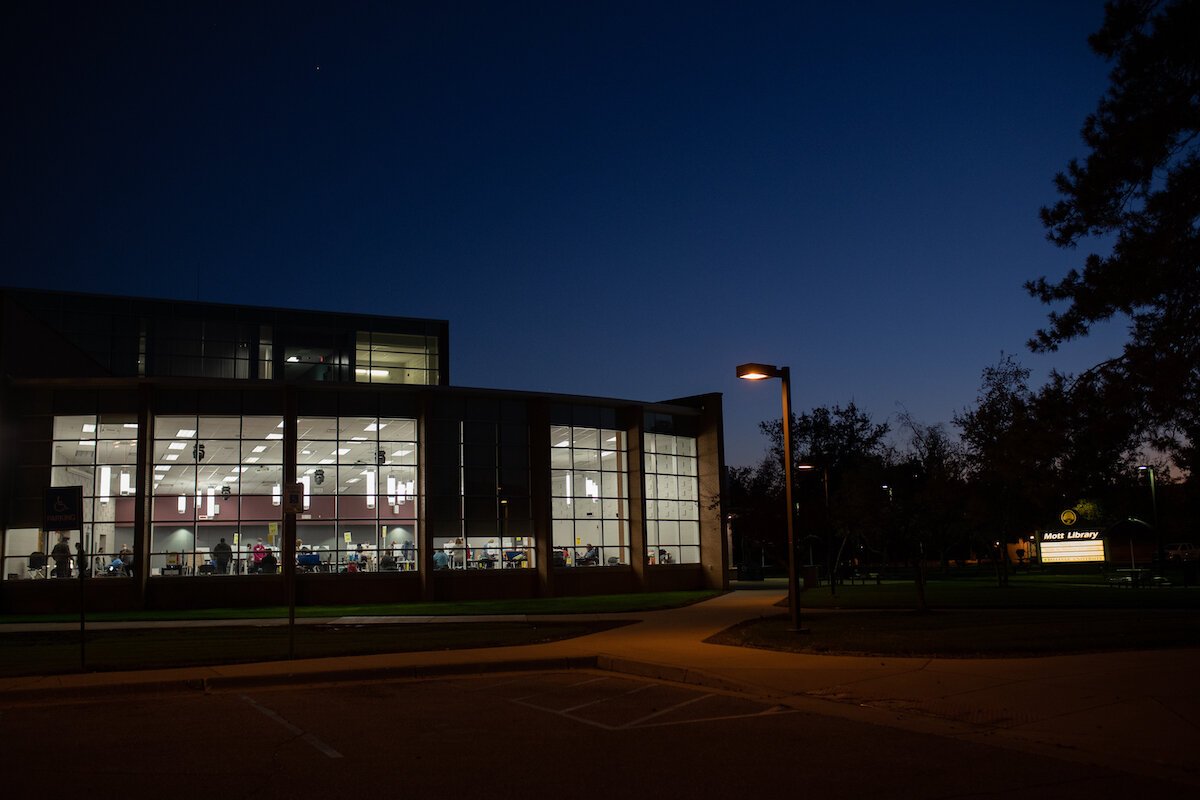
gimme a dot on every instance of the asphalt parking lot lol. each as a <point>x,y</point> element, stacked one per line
<point>579,733</point>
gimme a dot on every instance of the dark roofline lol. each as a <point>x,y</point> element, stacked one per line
<point>199,304</point>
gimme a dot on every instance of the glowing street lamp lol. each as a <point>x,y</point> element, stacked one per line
<point>759,372</point>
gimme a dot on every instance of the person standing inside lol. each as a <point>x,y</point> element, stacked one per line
<point>222,553</point>
<point>80,558</point>
<point>62,558</point>
<point>256,554</point>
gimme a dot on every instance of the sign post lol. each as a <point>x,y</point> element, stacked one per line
<point>63,511</point>
<point>293,504</point>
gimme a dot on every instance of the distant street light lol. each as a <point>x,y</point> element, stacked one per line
<point>1162,554</point>
<point>758,372</point>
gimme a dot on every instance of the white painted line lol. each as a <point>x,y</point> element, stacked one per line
<point>606,699</point>
<point>770,712</point>
<point>307,737</point>
<point>584,720</point>
<point>666,710</point>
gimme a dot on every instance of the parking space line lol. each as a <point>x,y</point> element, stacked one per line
<point>584,720</point>
<point>770,712</point>
<point>606,699</point>
<point>666,710</point>
<point>567,686</point>
<point>304,735</point>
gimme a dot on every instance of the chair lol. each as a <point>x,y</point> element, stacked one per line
<point>37,564</point>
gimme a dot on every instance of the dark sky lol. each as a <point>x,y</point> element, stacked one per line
<point>620,199</point>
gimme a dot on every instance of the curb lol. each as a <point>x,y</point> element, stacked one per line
<point>49,691</point>
<point>44,691</point>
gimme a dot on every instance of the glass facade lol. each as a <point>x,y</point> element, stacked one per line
<point>360,494</point>
<point>216,482</point>
<point>192,346</point>
<point>99,454</point>
<point>495,529</point>
<point>672,500</point>
<point>395,358</point>
<point>589,481</point>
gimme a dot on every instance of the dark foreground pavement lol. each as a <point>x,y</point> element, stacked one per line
<point>1098,724</point>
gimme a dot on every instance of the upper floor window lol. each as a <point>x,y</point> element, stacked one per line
<point>396,358</point>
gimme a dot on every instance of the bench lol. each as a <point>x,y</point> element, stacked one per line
<point>860,578</point>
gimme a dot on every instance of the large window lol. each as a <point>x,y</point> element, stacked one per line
<point>395,358</point>
<point>495,526</point>
<point>360,494</point>
<point>216,494</point>
<point>98,454</point>
<point>197,347</point>
<point>589,496</point>
<point>672,500</point>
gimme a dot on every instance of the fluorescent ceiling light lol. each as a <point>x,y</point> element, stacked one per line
<point>186,433</point>
<point>402,452</point>
<point>171,457</point>
<point>341,451</point>
<point>374,373</point>
<point>89,427</point>
<point>358,438</point>
<point>353,480</point>
<point>293,359</point>
<point>260,448</point>
<point>325,461</point>
<point>374,427</point>
<point>132,425</point>
<point>306,452</point>
<point>161,467</point>
<point>87,443</point>
<point>176,446</point>
<point>251,459</point>
<point>274,435</point>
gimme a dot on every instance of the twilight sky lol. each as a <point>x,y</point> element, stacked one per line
<point>619,199</point>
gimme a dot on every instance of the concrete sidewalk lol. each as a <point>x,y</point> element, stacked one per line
<point>1136,711</point>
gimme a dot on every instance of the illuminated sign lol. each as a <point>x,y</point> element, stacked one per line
<point>1069,547</point>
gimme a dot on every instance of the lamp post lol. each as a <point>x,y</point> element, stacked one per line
<point>831,557</point>
<point>758,372</point>
<point>1162,555</point>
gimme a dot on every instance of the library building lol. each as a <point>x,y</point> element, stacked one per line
<point>161,454</point>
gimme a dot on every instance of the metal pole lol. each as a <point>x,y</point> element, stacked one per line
<point>1162,554</point>
<point>81,559</point>
<point>793,591</point>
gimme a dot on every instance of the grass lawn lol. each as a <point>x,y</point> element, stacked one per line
<point>974,618</point>
<point>34,652</point>
<point>594,604</point>
<point>44,653</point>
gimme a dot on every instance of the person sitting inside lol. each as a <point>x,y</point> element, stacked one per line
<point>664,557</point>
<point>308,560</point>
<point>590,558</point>
<point>268,565</point>
<point>441,559</point>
